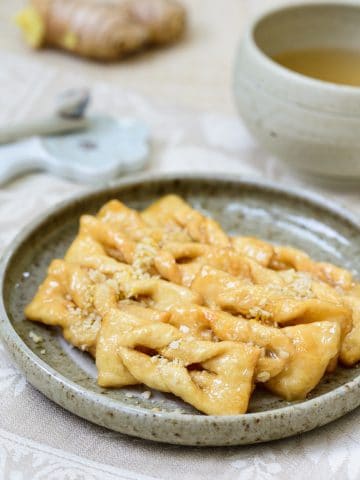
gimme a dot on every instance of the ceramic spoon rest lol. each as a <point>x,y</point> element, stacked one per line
<point>106,149</point>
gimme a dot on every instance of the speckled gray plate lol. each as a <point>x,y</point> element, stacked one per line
<point>248,207</point>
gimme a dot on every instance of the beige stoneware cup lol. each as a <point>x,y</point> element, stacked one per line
<point>311,125</point>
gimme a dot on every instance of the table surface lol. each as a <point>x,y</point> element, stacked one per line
<point>184,94</point>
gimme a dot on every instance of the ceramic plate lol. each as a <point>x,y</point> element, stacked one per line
<point>68,377</point>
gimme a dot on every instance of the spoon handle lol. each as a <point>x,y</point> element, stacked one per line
<point>48,126</point>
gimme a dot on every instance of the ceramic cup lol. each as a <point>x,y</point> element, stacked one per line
<point>310,124</point>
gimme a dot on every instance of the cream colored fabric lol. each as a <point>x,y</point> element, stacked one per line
<point>38,439</point>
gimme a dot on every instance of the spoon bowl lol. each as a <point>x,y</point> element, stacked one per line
<point>73,103</point>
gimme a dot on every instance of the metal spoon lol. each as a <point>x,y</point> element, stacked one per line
<point>68,117</point>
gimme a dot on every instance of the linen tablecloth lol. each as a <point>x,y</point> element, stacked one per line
<point>41,441</point>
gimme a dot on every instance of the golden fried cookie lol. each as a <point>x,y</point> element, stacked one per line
<point>65,300</point>
<point>271,303</point>
<point>216,378</point>
<point>171,211</point>
<point>316,344</point>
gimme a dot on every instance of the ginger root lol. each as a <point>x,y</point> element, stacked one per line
<point>32,25</point>
<point>101,30</point>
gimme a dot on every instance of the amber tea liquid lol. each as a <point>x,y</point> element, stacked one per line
<point>329,64</point>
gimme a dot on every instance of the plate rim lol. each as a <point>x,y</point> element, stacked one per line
<point>13,341</point>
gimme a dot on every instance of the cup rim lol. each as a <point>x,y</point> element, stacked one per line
<point>285,72</point>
